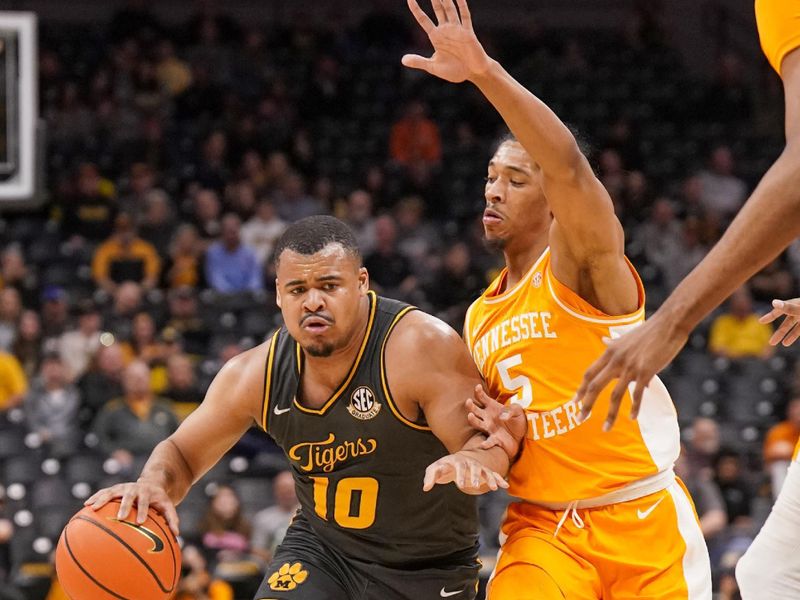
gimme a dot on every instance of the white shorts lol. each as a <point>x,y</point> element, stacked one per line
<point>770,569</point>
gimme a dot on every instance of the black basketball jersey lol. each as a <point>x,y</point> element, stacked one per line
<point>359,463</point>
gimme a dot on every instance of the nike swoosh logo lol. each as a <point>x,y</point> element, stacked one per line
<point>158,543</point>
<point>445,594</point>
<point>280,411</point>
<point>643,514</point>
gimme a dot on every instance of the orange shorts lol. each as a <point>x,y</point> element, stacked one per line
<point>779,28</point>
<point>645,549</point>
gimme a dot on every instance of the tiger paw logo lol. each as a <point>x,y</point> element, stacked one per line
<point>287,577</point>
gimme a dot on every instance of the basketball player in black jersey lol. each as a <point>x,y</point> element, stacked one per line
<point>366,397</point>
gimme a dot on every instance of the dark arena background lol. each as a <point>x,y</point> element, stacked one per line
<point>156,120</point>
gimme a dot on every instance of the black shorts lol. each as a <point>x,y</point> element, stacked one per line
<point>305,568</point>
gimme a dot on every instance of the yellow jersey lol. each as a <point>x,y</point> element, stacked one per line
<point>532,344</point>
<point>778,29</point>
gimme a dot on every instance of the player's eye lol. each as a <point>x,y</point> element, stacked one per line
<point>490,179</point>
<point>329,287</point>
<point>517,183</point>
<point>297,291</point>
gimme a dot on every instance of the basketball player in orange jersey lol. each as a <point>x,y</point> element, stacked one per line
<point>599,515</point>
<point>767,223</point>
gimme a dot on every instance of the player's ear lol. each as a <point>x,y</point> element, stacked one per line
<point>277,293</point>
<point>363,280</point>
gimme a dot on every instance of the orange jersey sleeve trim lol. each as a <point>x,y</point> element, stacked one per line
<point>579,308</point>
<point>778,29</point>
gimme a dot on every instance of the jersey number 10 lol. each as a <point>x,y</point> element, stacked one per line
<point>366,488</point>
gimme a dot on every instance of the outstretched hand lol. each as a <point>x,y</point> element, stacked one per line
<point>505,426</point>
<point>458,55</point>
<point>788,332</point>
<point>635,358</point>
<point>469,475</point>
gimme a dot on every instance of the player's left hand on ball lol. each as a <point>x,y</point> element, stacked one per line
<point>467,473</point>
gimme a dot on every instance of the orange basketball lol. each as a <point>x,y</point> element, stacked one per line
<point>102,558</point>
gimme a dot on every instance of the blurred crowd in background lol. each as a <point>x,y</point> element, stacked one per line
<point>177,155</point>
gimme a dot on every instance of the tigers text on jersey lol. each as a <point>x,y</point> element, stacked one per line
<point>532,344</point>
<point>359,464</point>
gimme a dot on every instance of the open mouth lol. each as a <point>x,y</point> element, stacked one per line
<point>316,325</point>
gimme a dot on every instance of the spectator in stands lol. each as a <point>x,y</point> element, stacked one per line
<point>738,332</point>
<point>10,312</point>
<point>51,408</point>
<point>704,444</point>
<point>723,192</point>
<point>690,251</point>
<point>453,287</point>
<point>736,491</point>
<point>172,72</point>
<point>707,498</point>
<point>415,137</point>
<point>185,319</point>
<point>779,444</point>
<point>127,302</point>
<point>262,231</point>
<point>141,181</point>
<point>28,345</point>
<point>293,201</point>
<point>184,264</point>
<point>55,311</point>
<point>13,383</point>
<point>226,534</point>
<point>270,524</point>
<point>417,238</point>
<point>232,267</point>
<point>143,344</point>
<point>125,257</point>
<point>103,381</point>
<point>157,224</point>
<point>660,235</point>
<point>212,171</point>
<point>196,582</point>
<point>182,383</point>
<point>79,346</point>
<point>130,427</point>
<point>90,208</point>
<point>390,271</point>
<point>358,216</point>
<point>15,273</point>
<point>207,210</point>
<point>773,281</point>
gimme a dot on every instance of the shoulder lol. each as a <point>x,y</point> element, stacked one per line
<point>245,369</point>
<point>421,341</point>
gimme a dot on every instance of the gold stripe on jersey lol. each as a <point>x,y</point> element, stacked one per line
<point>268,380</point>
<point>384,379</point>
<point>321,411</point>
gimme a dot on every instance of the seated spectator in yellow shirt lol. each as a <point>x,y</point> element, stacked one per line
<point>13,383</point>
<point>125,257</point>
<point>738,333</point>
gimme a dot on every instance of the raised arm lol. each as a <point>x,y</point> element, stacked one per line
<point>766,225</point>
<point>231,406</point>
<point>431,371</point>
<point>587,238</point>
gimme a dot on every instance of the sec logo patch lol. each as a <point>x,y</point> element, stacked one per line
<point>363,404</point>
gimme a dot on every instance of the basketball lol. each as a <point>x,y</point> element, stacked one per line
<point>100,557</point>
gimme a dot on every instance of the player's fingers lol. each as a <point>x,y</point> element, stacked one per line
<point>482,397</point>
<point>430,476</point>
<point>127,503</point>
<point>591,374</point>
<point>441,16</point>
<point>770,316</point>
<point>792,336</point>
<point>460,474</point>
<point>638,393</point>
<point>477,423</point>
<point>615,402</point>
<point>788,307</point>
<point>167,509</point>
<point>415,61</point>
<point>466,16</point>
<point>488,477</point>
<point>474,408</point>
<point>104,496</point>
<point>501,481</point>
<point>142,506</point>
<point>785,327</point>
<point>588,393</point>
<point>490,443</point>
<point>450,11</point>
<point>422,18</point>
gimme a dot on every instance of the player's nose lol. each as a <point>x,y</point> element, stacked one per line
<point>314,301</point>
<point>494,192</point>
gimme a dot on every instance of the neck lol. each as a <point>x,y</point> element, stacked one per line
<point>327,370</point>
<point>519,260</point>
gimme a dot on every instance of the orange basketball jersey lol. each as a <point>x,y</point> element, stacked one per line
<point>533,343</point>
<point>778,28</point>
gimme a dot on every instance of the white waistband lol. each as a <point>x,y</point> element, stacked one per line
<point>632,491</point>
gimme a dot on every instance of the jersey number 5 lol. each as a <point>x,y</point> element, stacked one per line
<point>366,490</point>
<point>524,397</point>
